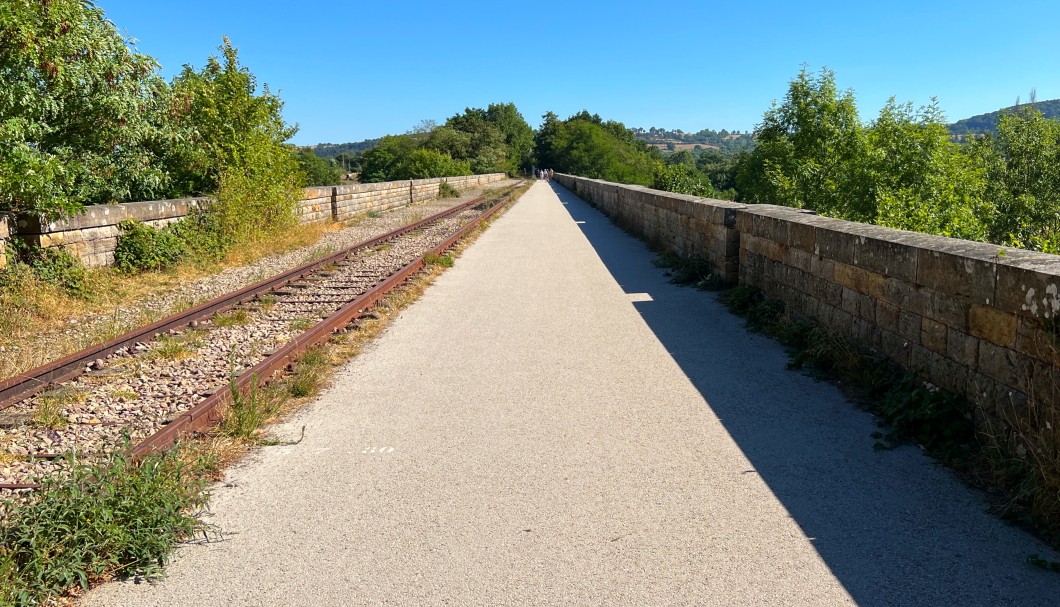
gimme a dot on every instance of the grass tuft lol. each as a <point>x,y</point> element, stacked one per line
<point>49,410</point>
<point>235,318</point>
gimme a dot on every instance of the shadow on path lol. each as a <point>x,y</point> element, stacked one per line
<point>894,528</point>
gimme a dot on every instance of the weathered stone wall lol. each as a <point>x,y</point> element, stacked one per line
<point>93,235</point>
<point>686,225</point>
<point>970,317</point>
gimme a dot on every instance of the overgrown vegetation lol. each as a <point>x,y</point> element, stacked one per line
<point>110,518</point>
<point>492,140</point>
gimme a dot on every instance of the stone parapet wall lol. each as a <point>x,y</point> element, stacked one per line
<point>973,318</point>
<point>686,225</point>
<point>93,235</point>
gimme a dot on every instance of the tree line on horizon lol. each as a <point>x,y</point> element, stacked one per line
<point>80,128</point>
<point>902,170</point>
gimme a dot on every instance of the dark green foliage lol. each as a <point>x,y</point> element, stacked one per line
<point>447,191</point>
<point>76,127</point>
<point>318,171</point>
<point>682,179</point>
<point>694,270</point>
<point>586,145</point>
<point>115,517</point>
<point>1023,179</point>
<point>143,248</point>
<point>203,235</point>
<point>53,266</point>
<point>492,140</point>
<point>337,150</point>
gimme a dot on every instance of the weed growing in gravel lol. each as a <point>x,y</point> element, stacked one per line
<point>308,374</point>
<point>250,411</point>
<point>235,318</point>
<point>386,246</point>
<point>111,518</point>
<point>303,324</point>
<point>125,393</point>
<point>373,214</point>
<point>432,259</point>
<point>49,410</point>
<point>170,349</point>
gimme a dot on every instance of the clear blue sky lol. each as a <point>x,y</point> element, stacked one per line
<point>354,70</point>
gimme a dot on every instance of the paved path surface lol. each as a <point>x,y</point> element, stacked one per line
<point>553,423</point>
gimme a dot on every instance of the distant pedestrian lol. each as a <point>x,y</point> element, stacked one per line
<point>551,174</point>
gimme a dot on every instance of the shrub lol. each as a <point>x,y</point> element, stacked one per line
<point>202,233</point>
<point>143,248</point>
<point>115,517</point>
<point>447,191</point>
<point>53,266</point>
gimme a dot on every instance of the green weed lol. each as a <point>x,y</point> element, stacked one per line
<point>432,259</point>
<point>232,319</point>
<point>308,374</point>
<point>49,410</point>
<point>110,518</point>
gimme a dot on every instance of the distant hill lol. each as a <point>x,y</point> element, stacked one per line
<point>724,141</point>
<point>987,123</point>
<point>332,150</point>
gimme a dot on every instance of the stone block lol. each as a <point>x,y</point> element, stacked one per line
<point>862,281</point>
<point>822,267</point>
<point>1002,364</point>
<point>1028,284</point>
<point>1033,339</point>
<point>951,272</point>
<point>993,325</point>
<point>835,245</point>
<point>933,335</point>
<point>886,257</point>
<point>895,347</point>
<point>909,326</point>
<point>887,316</point>
<point>962,347</point>
<point>860,305</point>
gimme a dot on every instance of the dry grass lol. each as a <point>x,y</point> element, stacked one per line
<point>30,308</point>
<point>49,410</point>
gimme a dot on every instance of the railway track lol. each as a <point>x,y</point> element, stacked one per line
<point>148,387</point>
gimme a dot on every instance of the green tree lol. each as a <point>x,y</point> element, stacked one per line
<point>518,136</point>
<point>922,181</point>
<point>811,152</point>
<point>586,145</point>
<point>1023,179</point>
<point>380,163</point>
<point>317,170</point>
<point>683,180</point>
<point>81,115</point>
<point>237,147</point>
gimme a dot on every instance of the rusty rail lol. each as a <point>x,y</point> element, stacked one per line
<point>25,385</point>
<point>209,411</point>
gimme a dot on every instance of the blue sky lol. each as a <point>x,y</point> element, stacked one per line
<point>355,70</point>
